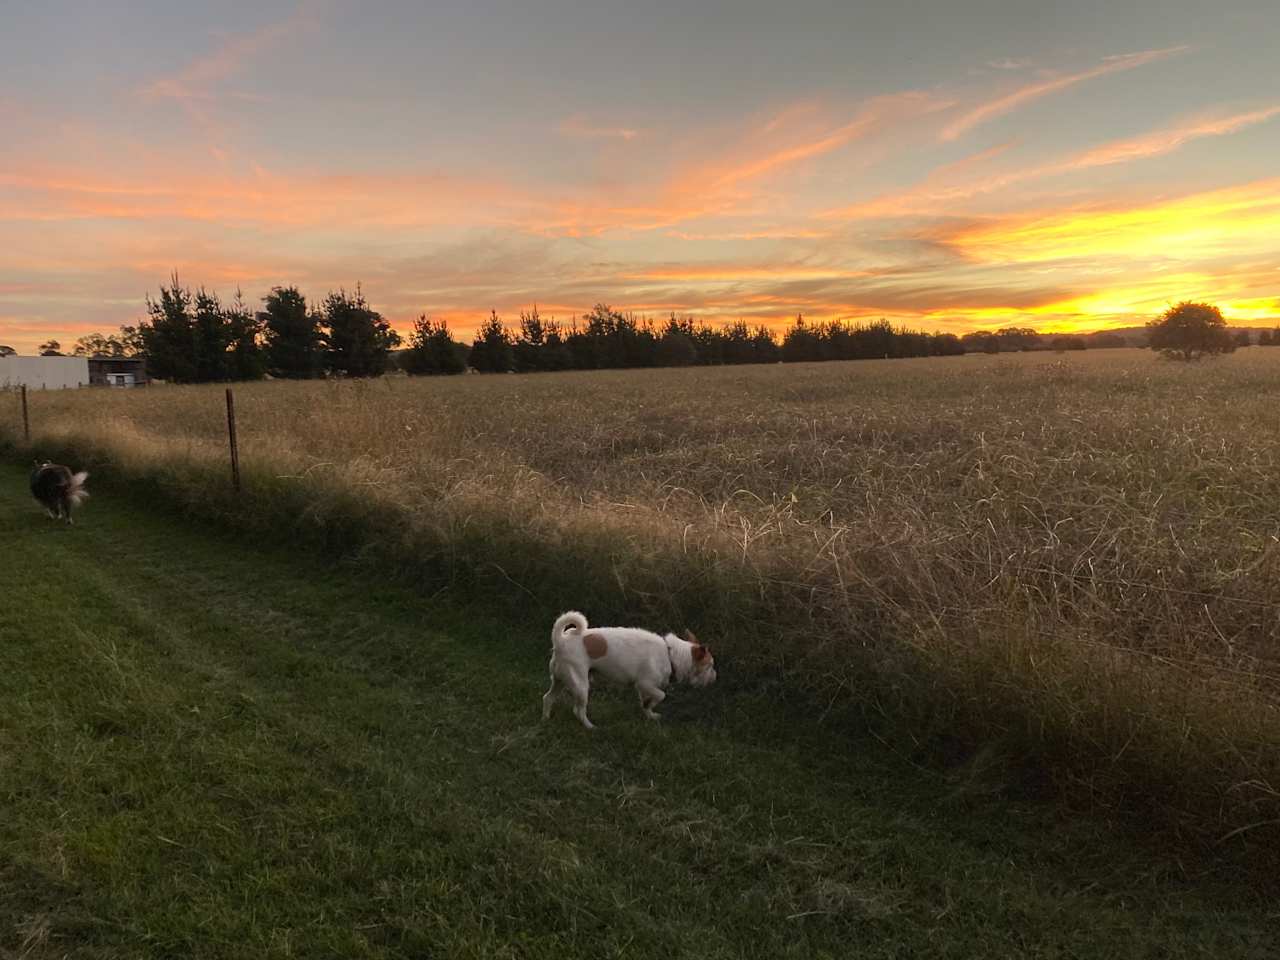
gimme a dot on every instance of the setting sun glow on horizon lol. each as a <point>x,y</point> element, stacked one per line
<point>946,166</point>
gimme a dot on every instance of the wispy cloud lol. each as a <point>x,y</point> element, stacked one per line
<point>1008,63</point>
<point>1043,88</point>
<point>1171,138</point>
<point>197,82</point>
<point>579,126</point>
<point>298,199</point>
<point>728,181</point>
<point>941,192</point>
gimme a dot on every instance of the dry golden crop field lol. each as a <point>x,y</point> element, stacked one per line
<point>1072,556</point>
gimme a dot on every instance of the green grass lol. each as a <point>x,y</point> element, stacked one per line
<point>213,748</point>
<point>1067,564</point>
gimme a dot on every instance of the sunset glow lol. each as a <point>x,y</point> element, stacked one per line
<point>945,170</point>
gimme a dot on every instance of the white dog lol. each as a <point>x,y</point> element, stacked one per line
<point>645,660</point>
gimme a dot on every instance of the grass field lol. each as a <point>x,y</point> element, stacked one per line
<point>1062,565</point>
<point>213,748</point>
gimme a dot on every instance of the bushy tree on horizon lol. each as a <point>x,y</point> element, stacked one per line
<point>210,338</point>
<point>357,338</point>
<point>676,347</point>
<point>800,342</point>
<point>168,334</point>
<point>432,349</point>
<point>246,359</point>
<point>294,344</point>
<point>1189,331</point>
<point>191,338</point>
<point>96,345</point>
<point>491,350</point>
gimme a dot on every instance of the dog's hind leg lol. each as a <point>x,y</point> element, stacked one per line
<point>578,686</point>
<point>549,698</point>
<point>650,697</point>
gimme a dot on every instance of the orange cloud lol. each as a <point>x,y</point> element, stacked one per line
<point>729,273</point>
<point>262,198</point>
<point>728,183</point>
<point>1024,95</point>
<point>1165,141</point>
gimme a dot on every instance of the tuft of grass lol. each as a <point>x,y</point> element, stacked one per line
<point>212,748</point>
<point>1065,563</point>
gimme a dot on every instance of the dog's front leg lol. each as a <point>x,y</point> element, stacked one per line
<point>650,697</point>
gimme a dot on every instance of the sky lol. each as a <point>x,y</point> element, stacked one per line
<point>947,164</point>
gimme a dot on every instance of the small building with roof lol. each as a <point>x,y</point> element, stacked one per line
<point>118,371</point>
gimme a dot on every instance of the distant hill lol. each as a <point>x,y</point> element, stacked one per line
<point>1137,336</point>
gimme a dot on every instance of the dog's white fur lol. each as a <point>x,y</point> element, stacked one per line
<point>645,660</point>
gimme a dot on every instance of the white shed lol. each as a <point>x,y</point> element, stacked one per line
<point>44,373</point>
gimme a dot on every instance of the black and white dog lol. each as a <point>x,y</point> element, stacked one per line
<point>57,488</point>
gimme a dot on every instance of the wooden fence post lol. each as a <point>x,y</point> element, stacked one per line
<point>26,420</point>
<point>231,432</point>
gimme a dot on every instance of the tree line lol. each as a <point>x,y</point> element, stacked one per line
<point>194,337</point>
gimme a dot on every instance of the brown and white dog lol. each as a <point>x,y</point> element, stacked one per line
<point>645,660</point>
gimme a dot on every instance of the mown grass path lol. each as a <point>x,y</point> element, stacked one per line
<point>213,748</point>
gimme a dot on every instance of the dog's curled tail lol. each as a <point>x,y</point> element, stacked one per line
<point>572,620</point>
<point>76,492</point>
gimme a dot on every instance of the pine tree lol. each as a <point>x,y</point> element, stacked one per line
<point>432,349</point>
<point>294,345</point>
<point>210,338</point>
<point>491,350</point>
<point>357,337</point>
<point>246,359</point>
<point>168,334</point>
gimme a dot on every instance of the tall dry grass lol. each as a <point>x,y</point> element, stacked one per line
<point>1072,560</point>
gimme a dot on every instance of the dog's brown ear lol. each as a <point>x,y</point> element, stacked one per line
<point>688,635</point>
<point>699,653</point>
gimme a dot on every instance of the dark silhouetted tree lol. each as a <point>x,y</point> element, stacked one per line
<point>130,338</point>
<point>168,334</point>
<point>800,342</point>
<point>294,344</point>
<point>556,352</point>
<point>491,350</point>
<point>50,348</point>
<point>246,359</point>
<point>210,338</point>
<point>432,349</point>
<point>1190,331</point>
<point>357,337</point>
<point>676,347</point>
<point>530,347</point>
<point>96,345</point>
<point>1017,338</point>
